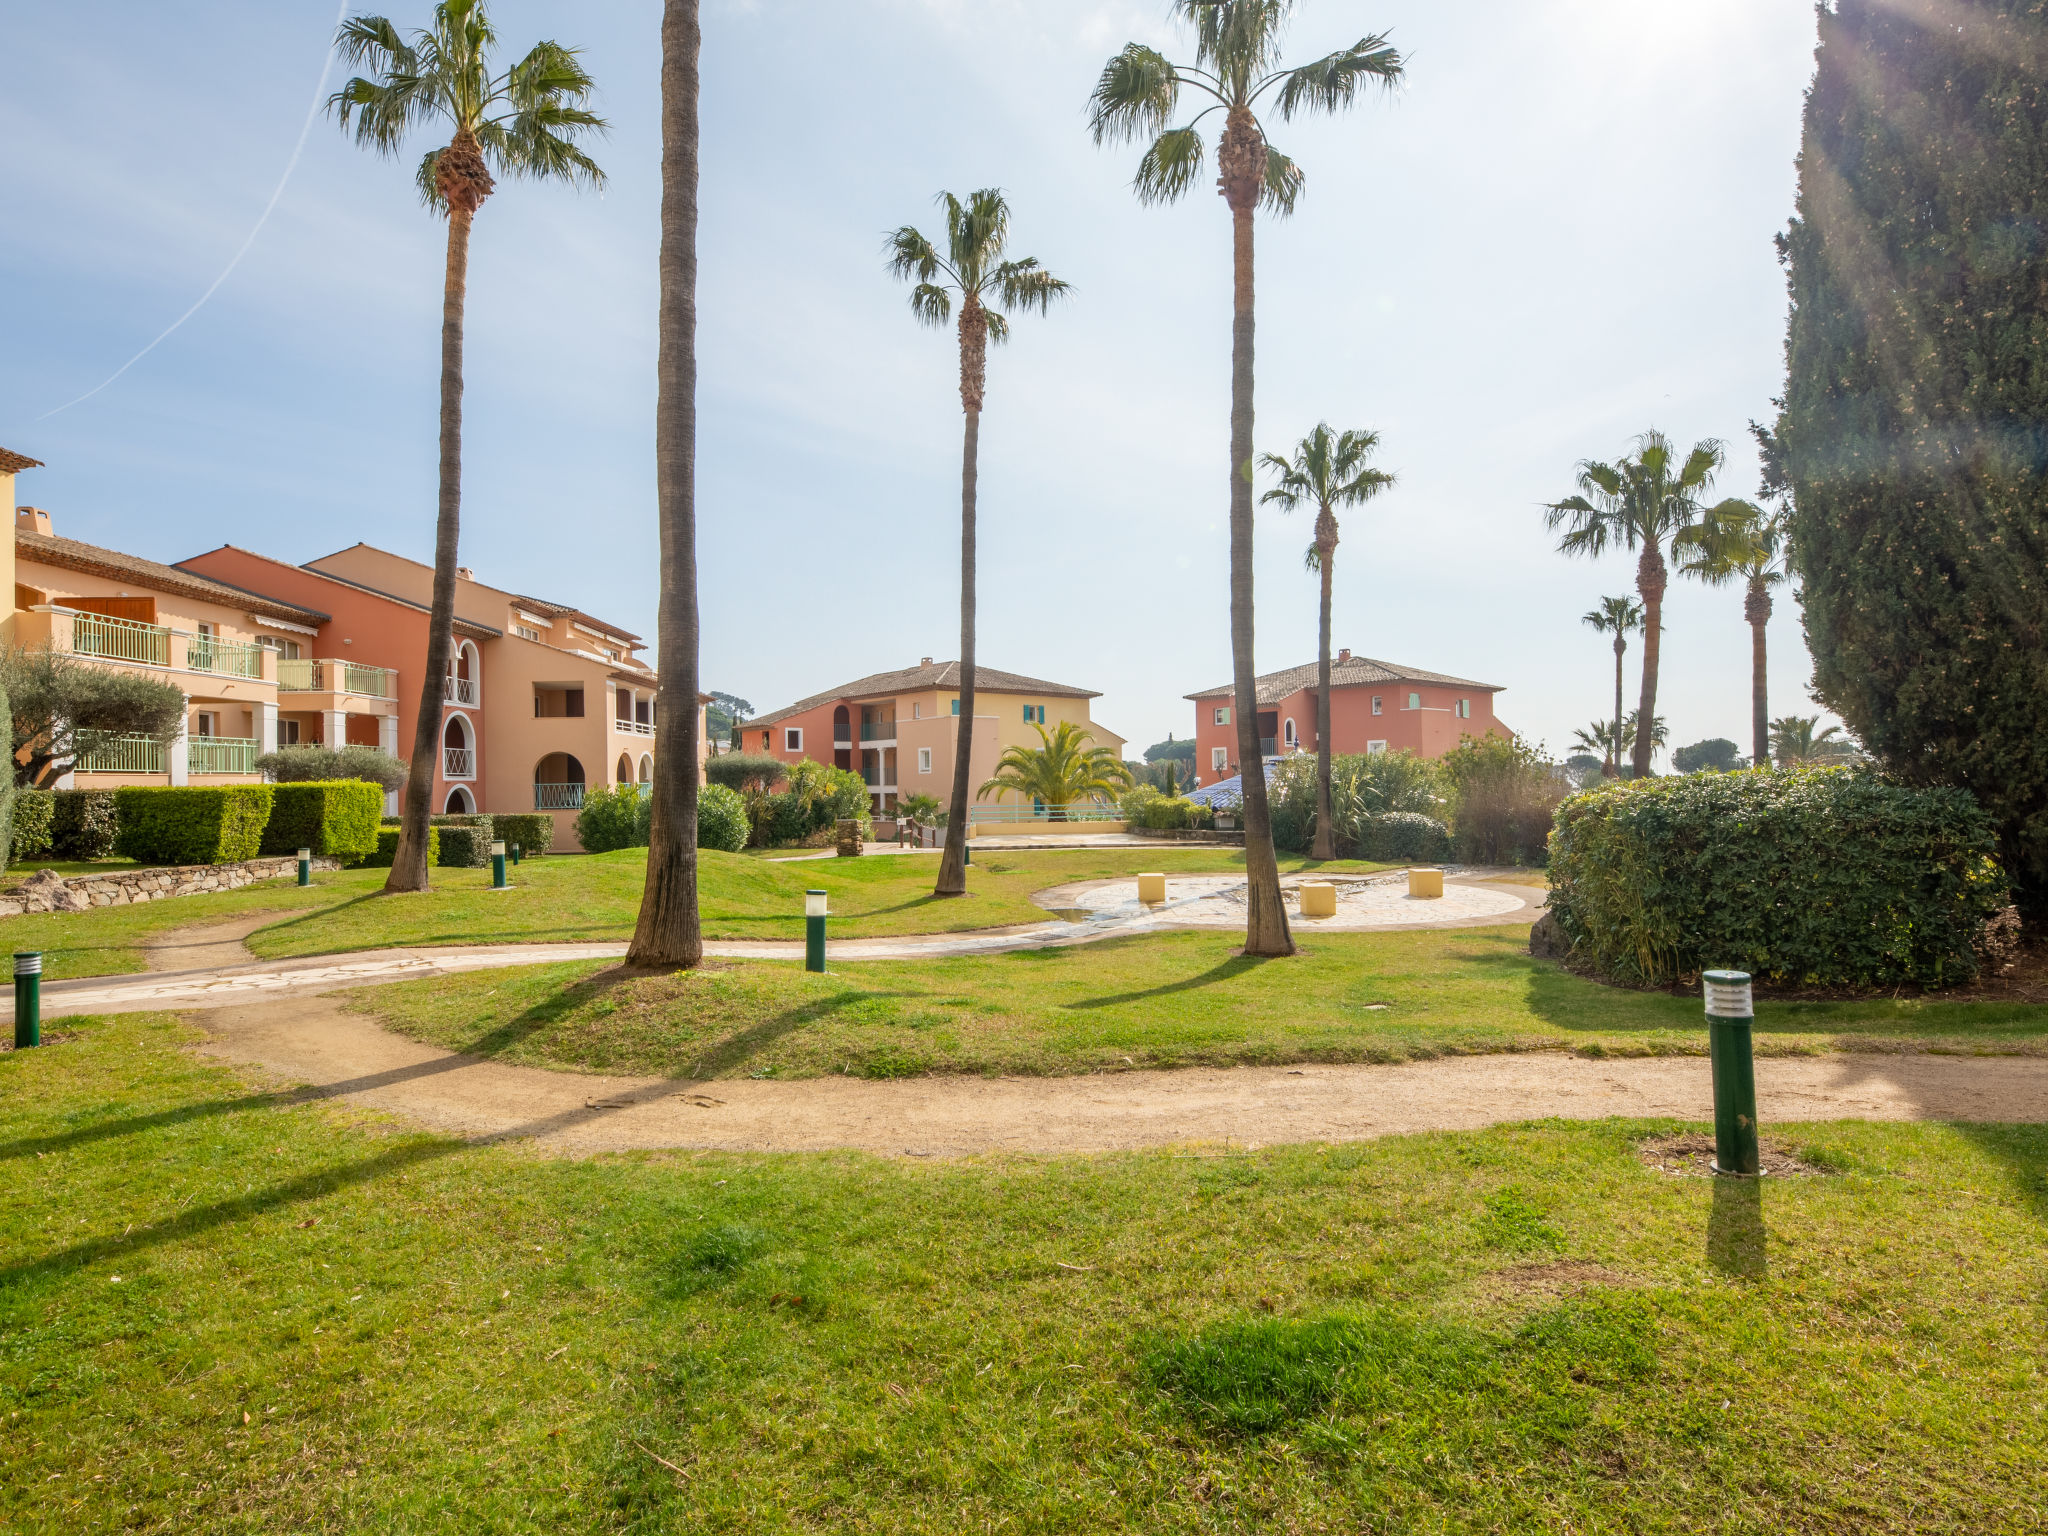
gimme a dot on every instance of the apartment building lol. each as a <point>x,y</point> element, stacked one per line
<point>900,730</point>
<point>1375,706</point>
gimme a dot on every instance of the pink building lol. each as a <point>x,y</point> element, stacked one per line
<point>1375,706</point>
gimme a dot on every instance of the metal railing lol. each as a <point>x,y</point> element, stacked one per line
<point>299,674</point>
<point>209,653</point>
<point>222,754</point>
<point>878,730</point>
<point>1095,810</point>
<point>95,634</point>
<point>124,754</point>
<point>458,690</point>
<point>458,762</point>
<point>558,797</point>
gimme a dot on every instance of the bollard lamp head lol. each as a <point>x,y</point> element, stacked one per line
<point>814,903</point>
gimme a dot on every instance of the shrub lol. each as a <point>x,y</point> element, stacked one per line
<point>1401,836</point>
<point>336,818</point>
<point>300,765</point>
<point>179,824</point>
<point>814,796</point>
<point>925,810</point>
<point>84,824</point>
<point>744,771</point>
<point>33,811</point>
<point>1362,786</point>
<point>387,848</point>
<point>610,819</point>
<point>1828,876</point>
<point>533,831</point>
<point>721,819</point>
<point>1504,793</point>
<point>465,841</point>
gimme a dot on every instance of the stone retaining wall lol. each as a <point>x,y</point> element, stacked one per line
<point>47,891</point>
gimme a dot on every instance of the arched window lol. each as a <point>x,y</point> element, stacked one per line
<point>625,769</point>
<point>1289,733</point>
<point>646,768</point>
<point>458,748</point>
<point>464,673</point>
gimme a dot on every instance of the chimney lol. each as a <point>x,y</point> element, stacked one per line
<point>1344,655</point>
<point>31,520</point>
<point>925,662</point>
<point>467,574</point>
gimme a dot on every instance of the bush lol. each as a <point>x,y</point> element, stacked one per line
<point>465,841</point>
<point>308,764</point>
<point>387,848</point>
<point>610,819</point>
<point>721,819</point>
<point>84,824</point>
<point>533,831</point>
<point>336,818</point>
<point>1504,793</point>
<point>1717,754</point>
<point>1362,786</point>
<point>814,797</point>
<point>745,771</point>
<point>178,824</point>
<point>1401,836</point>
<point>1826,876</point>
<point>33,810</point>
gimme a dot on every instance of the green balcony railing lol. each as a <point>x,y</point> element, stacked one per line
<point>373,682</point>
<point>302,674</point>
<point>95,634</point>
<point>878,730</point>
<point>230,658</point>
<point>558,797</point>
<point>124,754</point>
<point>1021,814</point>
<point>222,754</point>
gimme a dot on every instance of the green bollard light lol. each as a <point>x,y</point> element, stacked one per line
<point>515,853</point>
<point>28,998</point>
<point>498,867</point>
<point>814,931</point>
<point>305,866</point>
<point>1731,1013</point>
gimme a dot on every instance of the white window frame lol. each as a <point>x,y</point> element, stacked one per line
<point>1379,703</point>
<point>924,759</point>
<point>792,738</point>
<point>1219,759</point>
<point>1222,716</point>
<point>1372,747</point>
<point>1464,709</point>
<point>916,710</point>
<point>1287,732</point>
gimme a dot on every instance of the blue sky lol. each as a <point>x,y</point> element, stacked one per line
<point>1557,234</point>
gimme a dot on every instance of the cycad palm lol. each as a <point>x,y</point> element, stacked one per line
<point>1647,503</point>
<point>1237,53</point>
<point>972,266</point>
<point>1329,470</point>
<point>1757,555</point>
<point>521,123</point>
<point>1059,772</point>
<point>1800,741</point>
<point>1617,616</point>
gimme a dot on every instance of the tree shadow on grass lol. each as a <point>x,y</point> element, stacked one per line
<point>1229,970</point>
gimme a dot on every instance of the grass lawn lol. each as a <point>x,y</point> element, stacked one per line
<point>597,897</point>
<point>226,1311</point>
<point>1179,999</point>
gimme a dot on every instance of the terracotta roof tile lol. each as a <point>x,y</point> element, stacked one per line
<point>1357,672</point>
<point>71,555</point>
<point>943,674</point>
<point>12,463</point>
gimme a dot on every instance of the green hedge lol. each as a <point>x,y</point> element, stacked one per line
<point>614,818</point>
<point>34,810</point>
<point>167,824</point>
<point>533,831</point>
<point>336,818</point>
<point>386,851</point>
<point>721,819</point>
<point>1832,877</point>
<point>85,824</point>
<point>1402,835</point>
<point>464,845</point>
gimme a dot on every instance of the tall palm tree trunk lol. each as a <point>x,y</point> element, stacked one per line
<point>1326,833</point>
<point>1757,608</point>
<point>1613,765</point>
<point>464,183</point>
<point>1651,579</point>
<point>668,934</point>
<point>973,378</point>
<point>1241,158</point>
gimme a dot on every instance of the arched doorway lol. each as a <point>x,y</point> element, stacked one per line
<point>842,738</point>
<point>646,768</point>
<point>458,748</point>
<point>625,769</point>
<point>558,783</point>
<point>459,803</point>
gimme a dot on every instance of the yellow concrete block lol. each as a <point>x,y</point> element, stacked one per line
<point>1425,882</point>
<point>1151,888</point>
<point>1318,899</point>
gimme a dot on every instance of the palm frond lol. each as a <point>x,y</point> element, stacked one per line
<point>931,304</point>
<point>911,255</point>
<point>1238,39</point>
<point>1312,560</point>
<point>428,181</point>
<point>1170,165</point>
<point>1282,188</point>
<point>998,326</point>
<point>1135,95</point>
<point>1028,286</point>
<point>976,232</point>
<point>1331,83</point>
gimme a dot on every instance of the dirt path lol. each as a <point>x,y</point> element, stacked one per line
<point>207,947</point>
<point>346,1055</point>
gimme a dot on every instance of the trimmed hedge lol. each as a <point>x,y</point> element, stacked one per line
<point>334,817</point>
<point>533,831</point>
<point>179,824</point>
<point>84,824</point>
<point>34,809</point>
<point>1403,835</point>
<point>464,846</point>
<point>611,819</point>
<point>721,819</point>
<point>1825,877</point>
<point>386,851</point>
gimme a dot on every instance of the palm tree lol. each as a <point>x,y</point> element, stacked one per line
<point>1601,737</point>
<point>1660,733</point>
<point>1237,47</point>
<point>1328,471</point>
<point>667,933</point>
<point>977,233</point>
<point>1647,503</point>
<point>1800,741</point>
<point>1618,616</point>
<point>523,122</point>
<point>1060,772</point>
<point>1758,555</point>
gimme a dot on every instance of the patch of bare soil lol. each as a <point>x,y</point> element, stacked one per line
<point>1554,1277</point>
<point>205,946</point>
<point>1692,1157</point>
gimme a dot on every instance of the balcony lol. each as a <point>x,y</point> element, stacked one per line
<point>109,639</point>
<point>632,727</point>
<point>458,762</point>
<point>124,754</point>
<point>303,675</point>
<point>230,658</point>
<point>459,690</point>
<point>878,730</point>
<point>558,797</point>
<point>222,754</point>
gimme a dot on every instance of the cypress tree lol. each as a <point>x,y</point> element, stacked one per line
<point>1915,418</point>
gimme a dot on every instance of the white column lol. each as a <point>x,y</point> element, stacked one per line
<point>176,753</point>
<point>266,730</point>
<point>387,743</point>
<point>334,726</point>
